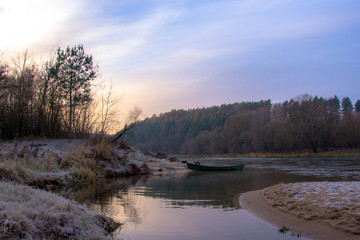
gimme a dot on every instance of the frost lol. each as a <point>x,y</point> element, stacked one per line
<point>27,213</point>
<point>328,202</point>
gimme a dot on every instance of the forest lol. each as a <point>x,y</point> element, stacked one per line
<point>57,98</point>
<point>304,123</point>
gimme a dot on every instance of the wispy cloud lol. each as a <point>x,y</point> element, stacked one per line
<point>122,43</point>
<point>165,50</point>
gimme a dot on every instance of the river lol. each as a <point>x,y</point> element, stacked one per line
<point>204,205</point>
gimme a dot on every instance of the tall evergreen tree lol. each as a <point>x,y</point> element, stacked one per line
<point>74,71</point>
<point>346,105</point>
<point>333,105</point>
<point>357,106</point>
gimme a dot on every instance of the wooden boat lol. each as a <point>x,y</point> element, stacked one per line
<point>199,167</point>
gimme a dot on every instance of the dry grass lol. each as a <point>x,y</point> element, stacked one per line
<point>27,213</point>
<point>15,172</point>
<point>54,163</point>
<point>81,165</point>
<point>28,165</point>
<point>103,150</point>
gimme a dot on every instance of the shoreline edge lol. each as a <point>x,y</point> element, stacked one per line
<point>254,203</point>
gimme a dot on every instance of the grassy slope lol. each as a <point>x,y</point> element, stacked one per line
<point>56,163</point>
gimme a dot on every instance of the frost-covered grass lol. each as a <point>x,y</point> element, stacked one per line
<point>53,163</point>
<point>27,213</point>
<point>14,170</point>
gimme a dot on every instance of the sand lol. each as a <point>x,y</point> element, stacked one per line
<point>318,210</point>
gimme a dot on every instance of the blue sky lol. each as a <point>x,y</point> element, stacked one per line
<point>165,55</point>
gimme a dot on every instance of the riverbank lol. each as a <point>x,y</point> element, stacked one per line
<point>27,213</point>
<point>53,165</point>
<point>318,210</point>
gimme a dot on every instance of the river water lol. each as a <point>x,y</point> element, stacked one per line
<point>204,205</point>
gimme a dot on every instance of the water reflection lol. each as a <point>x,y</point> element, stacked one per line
<point>202,205</point>
<point>213,189</point>
<point>113,198</point>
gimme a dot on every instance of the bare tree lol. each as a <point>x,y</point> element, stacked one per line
<point>131,122</point>
<point>23,90</point>
<point>108,109</point>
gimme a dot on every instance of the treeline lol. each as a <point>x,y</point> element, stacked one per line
<point>53,99</point>
<point>300,124</point>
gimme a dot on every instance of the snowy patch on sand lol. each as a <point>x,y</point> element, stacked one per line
<point>334,203</point>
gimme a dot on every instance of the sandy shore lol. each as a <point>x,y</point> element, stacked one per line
<point>317,210</point>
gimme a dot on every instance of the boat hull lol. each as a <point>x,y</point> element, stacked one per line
<point>215,168</point>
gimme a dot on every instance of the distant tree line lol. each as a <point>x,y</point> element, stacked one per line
<point>300,124</point>
<point>53,99</point>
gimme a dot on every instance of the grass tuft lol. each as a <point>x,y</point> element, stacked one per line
<point>103,150</point>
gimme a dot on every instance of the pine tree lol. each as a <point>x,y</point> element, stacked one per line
<point>357,106</point>
<point>74,71</point>
<point>346,105</point>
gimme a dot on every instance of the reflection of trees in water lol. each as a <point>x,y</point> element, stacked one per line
<point>215,189</point>
<point>210,189</point>
<point>114,198</point>
<point>117,198</point>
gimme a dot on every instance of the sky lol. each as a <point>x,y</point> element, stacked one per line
<point>179,54</point>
